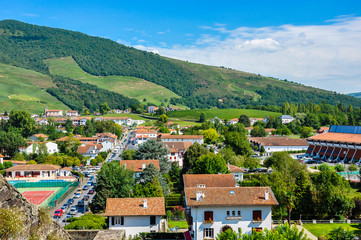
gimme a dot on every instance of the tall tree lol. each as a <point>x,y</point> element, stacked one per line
<point>113,181</point>
<point>152,149</point>
<point>191,156</point>
<point>22,121</point>
<point>244,119</point>
<point>210,164</point>
<point>202,117</point>
<point>10,142</point>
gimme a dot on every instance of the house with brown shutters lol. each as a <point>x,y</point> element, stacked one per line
<point>211,210</point>
<point>176,151</point>
<point>137,166</point>
<point>136,215</point>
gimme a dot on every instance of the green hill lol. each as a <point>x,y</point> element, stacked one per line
<point>134,73</point>
<point>129,86</point>
<point>26,89</point>
<point>358,95</point>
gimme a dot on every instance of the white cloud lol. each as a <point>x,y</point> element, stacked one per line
<point>326,56</point>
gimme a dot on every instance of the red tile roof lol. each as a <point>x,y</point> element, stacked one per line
<point>338,137</point>
<point>230,196</point>
<point>137,165</point>
<point>177,146</point>
<point>209,180</point>
<point>234,169</point>
<point>278,141</point>
<point>134,207</point>
<point>33,167</point>
<point>169,136</point>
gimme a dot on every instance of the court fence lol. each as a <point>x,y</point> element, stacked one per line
<point>66,188</point>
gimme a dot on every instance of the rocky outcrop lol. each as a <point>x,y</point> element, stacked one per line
<point>97,234</point>
<point>38,224</point>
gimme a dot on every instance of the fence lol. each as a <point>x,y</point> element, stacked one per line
<point>50,202</point>
<point>60,194</point>
<point>314,221</point>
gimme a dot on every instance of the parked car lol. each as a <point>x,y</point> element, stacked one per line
<point>58,213</point>
<point>86,197</point>
<point>73,211</point>
<point>261,170</point>
<point>70,201</point>
<point>85,187</point>
<point>77,195</point>
<point>66,205</point>
<point>81,203</point>
<point>91,191</point>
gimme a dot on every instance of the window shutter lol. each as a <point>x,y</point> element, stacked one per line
<point>122,221</point>
<point>113,220</point>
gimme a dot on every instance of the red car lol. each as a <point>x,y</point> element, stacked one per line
<point>58,213</point>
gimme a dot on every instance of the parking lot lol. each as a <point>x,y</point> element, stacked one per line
<point>76,204</point>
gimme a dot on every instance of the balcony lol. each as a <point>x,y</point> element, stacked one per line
<point>210,221</point>
<point>234,218</point>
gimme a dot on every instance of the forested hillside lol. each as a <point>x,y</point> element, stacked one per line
<point>199,86</point>
<point>358,95</point>
<point>78,95</point>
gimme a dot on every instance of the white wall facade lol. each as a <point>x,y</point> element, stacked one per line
<point>136,224</point>
<point>238,176</point>
<point>243,222</point>
<point>271,149</point>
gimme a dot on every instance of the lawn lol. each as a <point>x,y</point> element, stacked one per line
<point>24,89</point>
<point>324,229</point>
<point>178,224</point>
<point>128,86</point>
<point>194,114</point>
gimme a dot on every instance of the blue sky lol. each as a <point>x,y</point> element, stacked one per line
<point>313,42</point>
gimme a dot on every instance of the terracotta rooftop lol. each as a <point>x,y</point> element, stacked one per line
<point>85,148</point>
<point>169,136</point>
<point>338,137</point>
<point>33,167</point>
<point>80,118</point>
<point>278,141</point>
<point>137,165</point>
<point>41,135</point>
<point>177,146</point>
<point>107,134</point>
<point>134,207</point>
<point>116,118</point>
<point>234,169</point>
<point>230,196</point>
<point>209,180</point>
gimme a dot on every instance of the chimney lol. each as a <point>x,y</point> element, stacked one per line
<point>144,166</point>
<point>199,196</point>
<point>266,195</point>
<point>145,204</point>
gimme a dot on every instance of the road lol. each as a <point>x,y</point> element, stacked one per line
<point>81,210</point>
<point>115,155</point>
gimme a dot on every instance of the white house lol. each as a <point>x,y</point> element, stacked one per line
<point>33,170</point>
<point>150,133</point>
<point>252,121</point>
<point>136,215</point>
<point>53,113</point>
<point>1,159</point>
<point>211,210</point>
<point>90,149</point>
<point>37,137</point>
<point>287,119</point>
<point>71,113</point>
<point>65,171</point>
<point>216,119</point>
<point>232,121</point>
<point>236,171</point>
<point>152,109</point>
<point>118,120</point>
<point>80,121</point>
<point>278,144</point>
<point>33,147</point>
<point>176,151</point>
<point>182,138</point>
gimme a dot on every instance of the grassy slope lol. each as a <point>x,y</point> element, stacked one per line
<point>217,79</point>
<point>221,113</point>
<point>128,86</point>
<point>26,90</point>
<point>323,229</point>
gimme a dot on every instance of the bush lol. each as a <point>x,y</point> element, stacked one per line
<point>11,222</point>
<point>339,168</point>
<point>87,221</point>
<point>323,167</point>
<point>352,168</point>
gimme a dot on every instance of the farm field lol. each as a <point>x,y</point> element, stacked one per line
<point>221,113</point>
<point>128,86</point>
<point>26,90</point>
<point>324,229</point>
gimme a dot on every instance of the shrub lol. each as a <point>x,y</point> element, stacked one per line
<point>339,168</point>
<point>11,222</point>
<point>352,168</point>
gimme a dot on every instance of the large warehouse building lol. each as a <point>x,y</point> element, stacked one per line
<point>341,143</point>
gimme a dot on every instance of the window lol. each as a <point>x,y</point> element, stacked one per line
<point>208,216</point>
<point>239,213</point>
<point>117,220</point>
<point>208,233</point>
<point>227,213</point>
<point>152,220</point>
<point>257,215</point>
<point>233,213</point>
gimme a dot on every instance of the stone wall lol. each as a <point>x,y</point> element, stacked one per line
<point>38,223</point>
<point>97,234</point>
